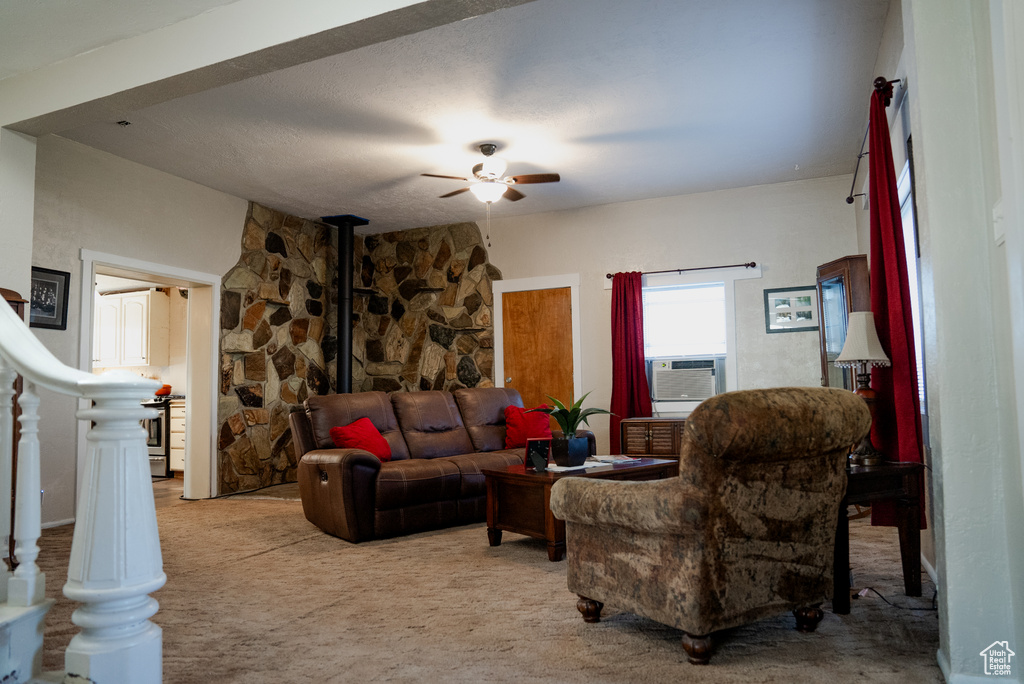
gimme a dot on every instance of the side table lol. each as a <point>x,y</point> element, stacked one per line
<point>898,482</point>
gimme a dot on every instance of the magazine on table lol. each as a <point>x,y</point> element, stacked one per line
<point>594,462</point>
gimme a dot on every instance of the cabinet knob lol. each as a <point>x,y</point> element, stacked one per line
<point>508,379</point>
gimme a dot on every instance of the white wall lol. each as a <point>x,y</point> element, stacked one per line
<point>89,199</point>
<point>969,365</point>
<point>788,229</point>
<point>17,173</point>
<point>888,63</point>
<point>174,373</point>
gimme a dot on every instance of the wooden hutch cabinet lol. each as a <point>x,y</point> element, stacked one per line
<point>651,436</point>
<point>843,287</point>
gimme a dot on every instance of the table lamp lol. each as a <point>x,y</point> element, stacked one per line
<point>863,351</point>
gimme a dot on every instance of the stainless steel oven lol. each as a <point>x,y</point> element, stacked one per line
<point>158,437</point>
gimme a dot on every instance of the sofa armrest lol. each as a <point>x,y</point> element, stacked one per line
<point>660,506</point>
<point>338,488</point>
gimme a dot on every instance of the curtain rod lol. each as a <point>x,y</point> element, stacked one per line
<point>880,84</point>
<point>749,264</point>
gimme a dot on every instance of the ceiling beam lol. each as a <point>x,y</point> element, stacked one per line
<point>225,45</point>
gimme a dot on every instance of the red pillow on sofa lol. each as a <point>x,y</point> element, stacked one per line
<point>521,425</point>
<point>362,434</point>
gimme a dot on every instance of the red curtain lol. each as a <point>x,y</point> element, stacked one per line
<point>897,427</point>
<point>631,397</point>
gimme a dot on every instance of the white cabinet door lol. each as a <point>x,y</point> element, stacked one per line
<point>106,349</point>
<point>131,330</point>
<point>135,330</point>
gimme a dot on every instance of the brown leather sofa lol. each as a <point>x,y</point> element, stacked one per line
<point>439,443</point>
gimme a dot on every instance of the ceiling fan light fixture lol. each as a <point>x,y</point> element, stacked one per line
<point>488,191</point>
<point>493,167</point>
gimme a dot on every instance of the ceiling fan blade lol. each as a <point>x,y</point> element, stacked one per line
<point>434,175</point>
<point>456,192</point>
<point>536,178</point>
<point>513,195</point>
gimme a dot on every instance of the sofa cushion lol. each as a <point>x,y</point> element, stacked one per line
<point>470,466</point>
<point>415,481</point>
<point>331,410</point>
<point>521,425</point>
<point>483,413</point>
<point>361,435</point>
<point>431,424</point>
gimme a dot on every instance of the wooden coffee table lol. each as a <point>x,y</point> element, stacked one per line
<point>519,500</point>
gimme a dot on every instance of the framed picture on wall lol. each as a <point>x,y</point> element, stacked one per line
<point>791,309</point>
<point>48,305</point>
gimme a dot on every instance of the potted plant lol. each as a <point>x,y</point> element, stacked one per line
<point>570,450</point>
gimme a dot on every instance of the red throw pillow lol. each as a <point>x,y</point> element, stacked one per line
<point>521,425</point>
<point>362,434</point>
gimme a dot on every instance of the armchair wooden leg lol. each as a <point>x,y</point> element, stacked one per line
<point>808,617</point>
<point>698,648</point>
<point>590,608</point>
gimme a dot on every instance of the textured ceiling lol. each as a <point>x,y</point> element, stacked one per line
<point>625,100</point>
<point>34,33</point>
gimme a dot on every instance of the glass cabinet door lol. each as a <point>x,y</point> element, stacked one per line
<point>842,287</point>
<point>833,329</point>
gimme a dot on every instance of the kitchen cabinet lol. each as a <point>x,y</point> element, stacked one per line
<point>177,451</point>
<point>131,329</point>
<point>843,287</point>
<point>651,436</point>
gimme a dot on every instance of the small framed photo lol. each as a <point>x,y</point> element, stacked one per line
<point>48,305</point>
<point>791,309</point>
<point>537,451</point>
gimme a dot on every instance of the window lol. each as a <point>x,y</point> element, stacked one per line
<point>906,196</point>
<point>685,320</point>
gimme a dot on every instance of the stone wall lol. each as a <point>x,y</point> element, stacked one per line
<point>423,310</point>
<point>278,343</point>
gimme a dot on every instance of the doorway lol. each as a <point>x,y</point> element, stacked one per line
<point>141,326</point>
<point>537,337</point>
<point>198,373</point>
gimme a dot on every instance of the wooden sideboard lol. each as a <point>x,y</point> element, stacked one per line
<point>654,436</point>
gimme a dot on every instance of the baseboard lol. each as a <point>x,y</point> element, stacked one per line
<point>930,570</point>
<point>57,523</point>
<point>950,678</point>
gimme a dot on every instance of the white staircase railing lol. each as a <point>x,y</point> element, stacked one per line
<point>115,552</point>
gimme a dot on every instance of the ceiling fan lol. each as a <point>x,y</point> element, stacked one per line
<point>488,185</point>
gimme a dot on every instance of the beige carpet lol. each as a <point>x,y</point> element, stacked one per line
<point>256,594</point>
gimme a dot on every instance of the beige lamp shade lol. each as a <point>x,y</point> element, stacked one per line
<point>862,344</point>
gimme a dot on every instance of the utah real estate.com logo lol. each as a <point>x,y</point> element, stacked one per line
<point>998,659</point>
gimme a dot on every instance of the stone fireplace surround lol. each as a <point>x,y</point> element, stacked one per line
<point>422,319</point>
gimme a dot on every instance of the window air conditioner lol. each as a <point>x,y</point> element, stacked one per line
<point>686,379</point>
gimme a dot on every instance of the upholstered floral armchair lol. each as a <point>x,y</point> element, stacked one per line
<point>745,532</point>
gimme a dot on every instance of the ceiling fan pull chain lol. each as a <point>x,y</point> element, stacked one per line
<point>488,205</point>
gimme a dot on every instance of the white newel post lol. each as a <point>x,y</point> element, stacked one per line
<point>115,553</point>
<point>7,377</point>
<point>28,586</point>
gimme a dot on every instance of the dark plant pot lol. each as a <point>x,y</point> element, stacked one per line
<point>570,452</point>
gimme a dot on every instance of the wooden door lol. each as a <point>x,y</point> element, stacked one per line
<point>537,343</point>
<point>664,439</point>
<point>633,436</point>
